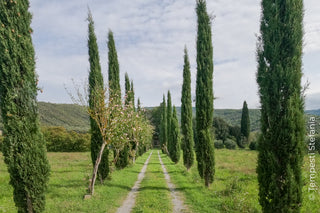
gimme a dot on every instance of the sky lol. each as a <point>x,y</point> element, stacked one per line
<point>150,37</point>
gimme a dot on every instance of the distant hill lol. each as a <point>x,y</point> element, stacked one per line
<point>70,116</point>
<point>313,112</point>
<point>74,117</point>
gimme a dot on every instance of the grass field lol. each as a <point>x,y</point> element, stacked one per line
<point>235,188</point>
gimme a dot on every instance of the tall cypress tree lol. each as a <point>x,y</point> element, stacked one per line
<point>114,80</point>
<point>175,137</point>
<point>204,96</point>
<point>24,146</point>
<point>169,118</point>
<point>186,115</point>
<point>279,55</point>
<point>113,71</point>
<point>245,121</point>
<point>164,130</point>
<point>95,87</point>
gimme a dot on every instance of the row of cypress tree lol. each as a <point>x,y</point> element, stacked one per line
<point>279,55</point>
<point>204,107</point>
<point>96,84</point>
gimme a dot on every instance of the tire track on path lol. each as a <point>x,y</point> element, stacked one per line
<point>177,201</point>
<point>129,202</point>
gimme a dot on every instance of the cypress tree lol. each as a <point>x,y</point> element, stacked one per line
<point>245,121</point>
<point>204,96</point>
<point>138,105</point>
<point>169,118</point>
<point>114,81</point>
<point>24,146</point>
<point>186,115</point>
<point>164,130</point>
<point>127,87</point>
<point>95,87</point>
<point>113,72</point>
<point>123,160</point>
<point>175,134</point>
<point>279,56</point>
<point>132,95</point>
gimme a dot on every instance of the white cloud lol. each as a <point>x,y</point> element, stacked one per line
<point>150,37</point>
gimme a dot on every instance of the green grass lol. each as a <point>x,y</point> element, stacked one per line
<point>154,195</point>
<point>70,173</point>
<point>235,188</point>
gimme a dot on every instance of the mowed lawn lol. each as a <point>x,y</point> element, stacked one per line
<point>235,188</point>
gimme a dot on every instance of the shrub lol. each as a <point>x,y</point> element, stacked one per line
<point>230,144</point>
<point>253,145</point>
<point>218,144</point>
<point>58,139</point>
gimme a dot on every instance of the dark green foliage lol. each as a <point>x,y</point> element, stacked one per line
<point>169,118</point>
<point>58,139</point>
<point>114,81</point>
<point>221,128</point>
<point>163,125</point>
<point>235,132</point>
<point>113,70</point>
<point>154,116</point>
<point>230,144</point>
<point>95,87</point>
<point>24,146</point>
<point>245,121</point>
<point>139,105</point>
<point>218,144</point>
<point>127,87</point>
<point>279,55</point>
<point>174,150</point>
<point>186,115</point>
<point>132,95</point>
<point>253,145</point>
<point>204,96</point>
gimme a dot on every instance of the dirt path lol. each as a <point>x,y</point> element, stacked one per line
<point>129,203</point>
<point>177,201</point>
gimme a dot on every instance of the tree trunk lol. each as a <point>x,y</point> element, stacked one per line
<point>95,169</point>
<point>29,204</point>
<point>135,153</point>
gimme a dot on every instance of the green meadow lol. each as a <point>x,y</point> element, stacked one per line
<point>235,188</point>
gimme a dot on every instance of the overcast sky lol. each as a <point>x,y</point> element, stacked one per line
<point>150,37</point>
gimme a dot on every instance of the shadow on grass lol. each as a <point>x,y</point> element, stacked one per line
<point>180,189</point>
<point>118,186</point>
